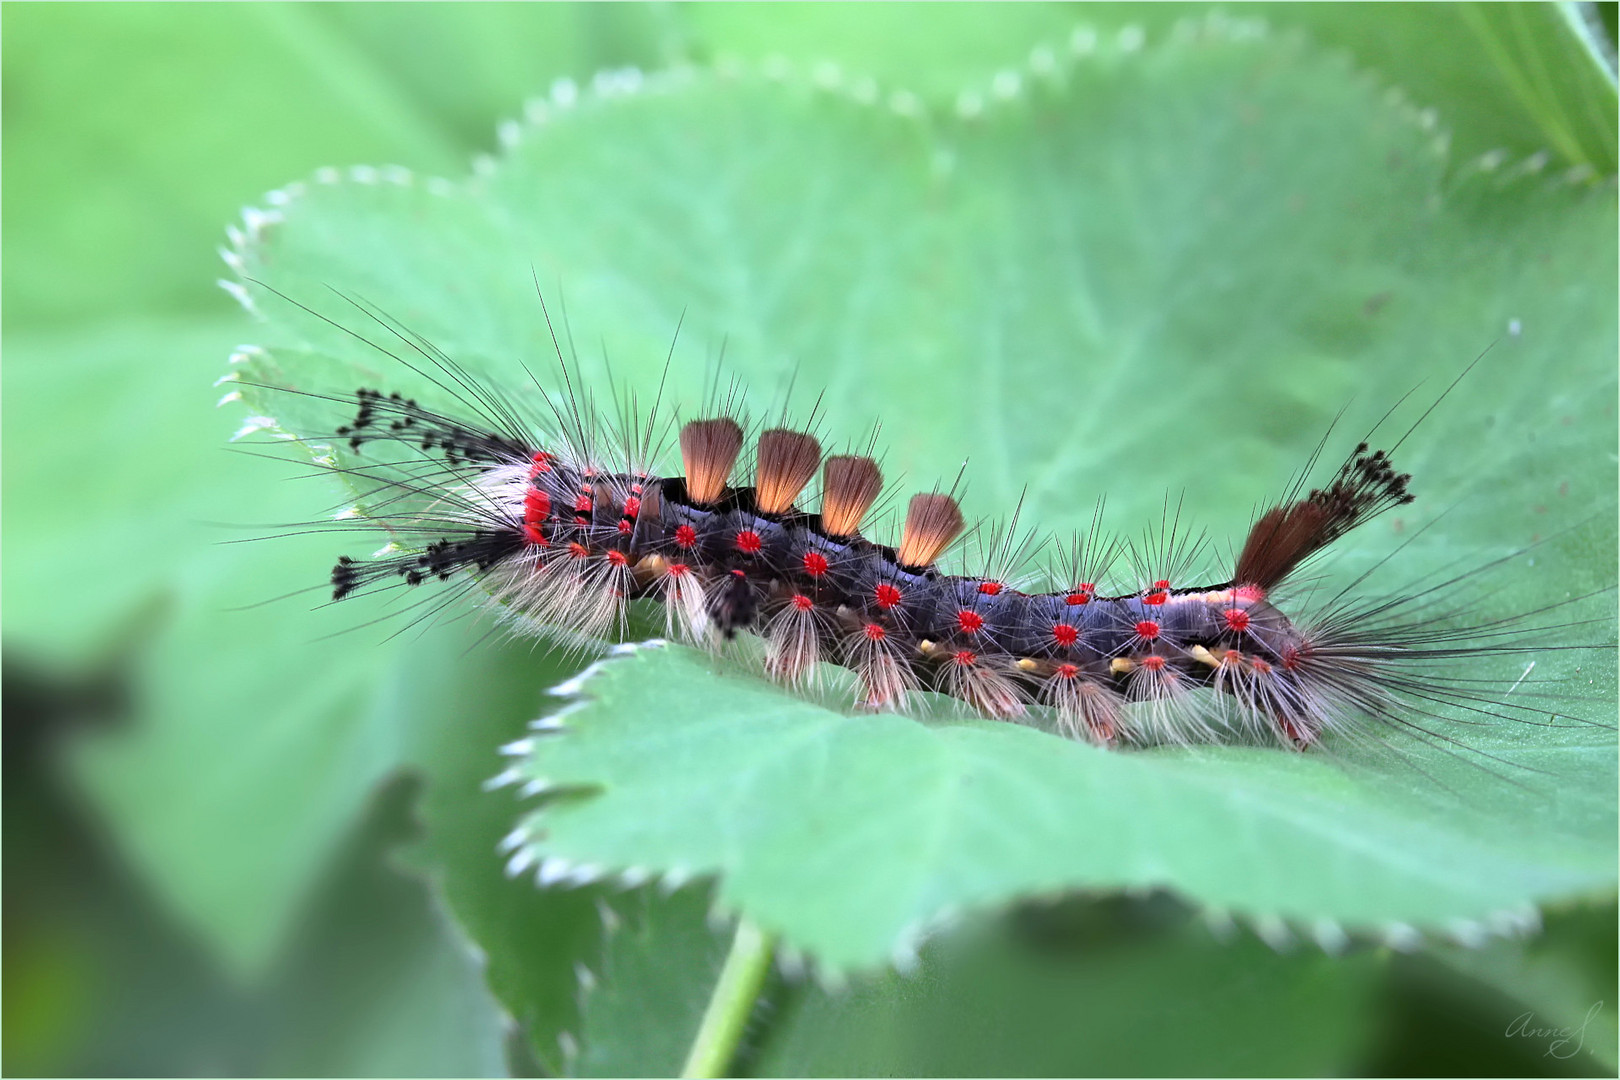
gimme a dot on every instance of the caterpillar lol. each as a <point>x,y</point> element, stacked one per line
<point>566,515</point>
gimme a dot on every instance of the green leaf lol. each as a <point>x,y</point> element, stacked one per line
<point>377,981</point>
<point>374,981</point>
<point>1088,989</point>
<point>468,67</point>
<point>1565,978</point>
<point>1511,79</point>
<point>1547,58</point>
<point>648,960</point>
<point>1127,270</point>
<point>1507,79</point>
<point>129,167</point>
<point>851,835</point>
<point>251,755</point>
<point>642,1005</point>
<point>259,727</point>
<point>251,747</point>
<point>601,983</point>
<point>935,57</point>
<point>140,386</point>
<point>459,704</point>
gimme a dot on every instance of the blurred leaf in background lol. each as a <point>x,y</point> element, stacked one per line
<point>229,901</point>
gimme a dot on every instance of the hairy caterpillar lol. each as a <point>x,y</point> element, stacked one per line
<point>564,516</point>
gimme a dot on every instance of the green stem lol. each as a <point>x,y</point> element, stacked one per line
<point>732,1001</point>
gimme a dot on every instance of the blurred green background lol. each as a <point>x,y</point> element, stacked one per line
<point>132,133</point>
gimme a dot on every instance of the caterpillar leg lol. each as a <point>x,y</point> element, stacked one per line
<point>1297,732</point>
<point>1086,709</point>
<point>982,684</point>
<point>885,678</point>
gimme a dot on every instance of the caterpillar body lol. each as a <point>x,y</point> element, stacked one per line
<point>566,520</point>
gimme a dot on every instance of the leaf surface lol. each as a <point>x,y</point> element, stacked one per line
<point>1139,268</point>
<point>1088,988</point>
<point>852,834</point>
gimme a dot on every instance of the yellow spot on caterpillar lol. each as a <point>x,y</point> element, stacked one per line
<point>649,568</point>
<point>1120,665</point>
<point>1203,656</point>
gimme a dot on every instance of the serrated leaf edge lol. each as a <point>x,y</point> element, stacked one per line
<point>1282,934</point>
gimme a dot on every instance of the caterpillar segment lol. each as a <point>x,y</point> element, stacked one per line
<point>569,544</point>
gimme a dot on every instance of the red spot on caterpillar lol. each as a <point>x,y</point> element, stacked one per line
<point>616,558</point>
<point>1249,592</point>
<point>536,506</point>
<point>1082,595</point>
<point>990,588</point>
<point>542,463</point>
<point>1158,594</point>
<point>685,536</point>
<point>1260,665</point>
<point>748,542</point>
<point>874,632</point>
<point>1237,620</point>
<point>1233,657</point>
<point>1290,657</point>
<point>738,574</point>
<point>677,569</point>
<point>578,550</point>
<point>815,563</point>
<point>966,657</point>
<point>1161,584</point>
<point>582,521</point>
<point>1147,629</point>
<point>632,506</point>
<point>1153,663</point>
<point>582,505</point>
<point>803,602</point>
<point>971,622</point>
<point>887,596</point>
<point>532,534</point>
<point>1065,635</point>
<point>1067,671</point>
<point>625,526</point>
